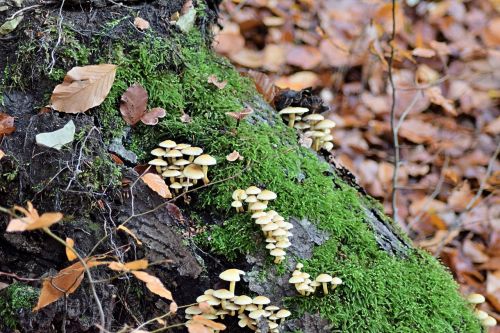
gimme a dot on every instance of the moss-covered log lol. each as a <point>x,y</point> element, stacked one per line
<point>388,285</point>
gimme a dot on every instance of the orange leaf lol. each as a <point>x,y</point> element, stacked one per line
<point>264,84</point>
<point>154,284</point>
<point>32,220</point>
<point>209,323</point>
<point>157,184</point>
<point>45,221</point>
<point>197,328</point>
<point>128,231</point>
<point>129,266</point>
<point>69,254</point>
<point>6,124</point>
<point>83,88</point>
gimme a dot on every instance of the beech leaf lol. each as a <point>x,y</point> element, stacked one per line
<point>128,231</point>
<point>57,139</point>
<point>6,124</point>
<point>151,117</point>
<point>129,266</point>
<point>83,88</point>
<point>153,284</point>
<point>133,104</point>
<point>264,84</point>
<point>157,184</point>
<point>32,219</point>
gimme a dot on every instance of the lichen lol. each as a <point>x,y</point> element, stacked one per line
<point>15,298</point>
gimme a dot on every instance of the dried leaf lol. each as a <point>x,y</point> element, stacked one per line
<point>32,219</point>
<point>234,156</point>
<point>69,254</point>
<point>6,124</point>
<point>460,197</point>
<point>205,307</point>
<point>264,84</point>
<point>10,25</point>
<point>129,266</point>
<point>157,184</point>
<point>435,96</point>
<point>153,284</point>
<point>133,104</point>
<point>128,231</point>
<point>2,154</point>
<point>151,117</point>
<point>209,323</point>
<point>194,327</point>
<point>173,307</point>
<point>248,58</point>
<point>141,23</point>
<point>215,81</point>
<point>83,88</point>
<point>57,139</point>
<point>423,53</point>
<point>298,81</point>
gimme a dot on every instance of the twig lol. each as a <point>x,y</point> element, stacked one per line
<point>13,16</point>
<point>80,156</point>
<point>59,37</point>
<point>17,277</point>
<point>395,140</point>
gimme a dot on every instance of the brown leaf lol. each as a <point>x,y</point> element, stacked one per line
<point>248,58</point>
<point>264,84</point>
<point>205,307</point>
<point>129,266</point>
<point>32,219</point>
<point>116,159</point>
<point>141,23</point>
<point>460,197</point>
<point>197,328</point>
<point>153,284</point>
<point>474,251</point>
<point>423,52</point>
<point>304,56</point>
<point>6,124</point>
<point>157,184</point>
<point>83,88</point>
<point>69,254</point>
<point>435,96</point>
<point>417,131</point>
<point>298,81</point>
<point>151,117</point>
<point>215,81</point>
<point>133,104</point>
<point>209,323</point>
<point>234,156</point>
<point>128,231</point>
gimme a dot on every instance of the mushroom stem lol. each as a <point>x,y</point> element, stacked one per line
<point>242,308</point>
<point>172,180</point>
<point>158,169</point>
<point>291,120</point>
<point>250,326</point>
<point>223,305</point>
<point>232,286</point>
<point>187,186</point>
<point>191,158</point>
<point>325,288</point>
<point>204,168</point>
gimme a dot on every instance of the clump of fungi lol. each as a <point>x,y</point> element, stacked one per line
<point>483,316</point>
<point>182,165</point>
<point>276,230</point>
<point>314,126</point>
<point>306,286</point>
<point>217,304</point>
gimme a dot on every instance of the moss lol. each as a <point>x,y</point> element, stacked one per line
<point>15,298</point>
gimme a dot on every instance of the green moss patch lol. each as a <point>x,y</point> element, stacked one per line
<point>15,298</point>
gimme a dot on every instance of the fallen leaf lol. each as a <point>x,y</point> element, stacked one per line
<point>151,117</point>
<point>493,127</point>
<point>417,131</point>
<point>197,328</point>
<point>32,219</point>
<point>474,252</point>
<point>116,159</point>
<point>303,56</point>
<point>141,23</point>
<point>205,307</point>
<point>6,124</point>
<point>234,156</point>
<point>215,81</point>
<point>133,104</point>
<point>10,25</point>
<point>185,118</point>
<point>129,266</point>
<point>157,184</point>
<point>209,323</point>
<point>435,96</point>
<point>153,284</point>
<point>69,254</point>
<point>298,81</point>
<point>3,285</point>
<point>264,84</point>
<point>57,139</point>
<point>423,52</point>
<point>2,154</point>
<point>83,88</point>
<point>460,197</point>
<point>128,231</point>
<point>248,58</point>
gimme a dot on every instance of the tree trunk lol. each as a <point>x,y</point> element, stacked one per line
<point>388,285</point>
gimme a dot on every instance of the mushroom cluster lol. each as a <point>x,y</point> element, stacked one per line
<point>307,286</point>
<point>314,126</point>
<point>224,302</point>
<point>276,230</point>
<point>181,164</point>
<point>483,316</point>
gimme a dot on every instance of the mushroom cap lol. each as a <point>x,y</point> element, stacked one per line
<point>489,322</point>
<point>270,227</point>
<point>476,299</point>
<point>173,167</point>
<point>193,171</point>
<point>208,292</point>
<point>305,275</point>
<point>278,217</point>
<point>337,281</point>
<point>314,117</point>
<point>287,226</point>
<point>277,252</point>
<point>258,214</point>
<point>205,159</point>
<point>176,185</point>
<point>171,173</point>
<point>266,195</point>
<point>232,274</point>
<point>301,125</point>
<point>283,313</point>
<point>272,325</point>
<point>299,265</point>
<point>158,162</point>
<point>271,240</point>
<point>272,213</point>
<point>283,244</point>
<point>271,308</point>
<point>253,190</point>
<point>293,110</point>
<point>158,152</point>
<point>328,137</point>
<point>193,310</point>
<point>303,286</point>
<point>173,153</point>
<point>192,151</point>
<point>257,314</point>
<point>279,232</point>
<point>251,199</point>
<point>251,307</point>
<point>209,316</point>
<point>187,183</point>
<point>325,124</point>
<point>480,314</point>
<point>261,300</point>
<point>243,300</point>
<point>232,307</point>
<point>168,144</point>
<point>315,134</point>
<point>263,220</point>
<point>324,278</point>
<point>270,246</point>
<point>236,204</point>
<point>258,206</point>
<point>221,312</point>
<point>223,294</point>
<point>296,279</point>
<point>182,146</point>
<point>327,145</point>
<point>315,284</point>
<point>237,194</point>
<point>181,162</point>
<point>211,300</point>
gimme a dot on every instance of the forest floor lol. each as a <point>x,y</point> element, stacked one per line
<point>446,116</point>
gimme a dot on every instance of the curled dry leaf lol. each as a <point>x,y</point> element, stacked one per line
<point>234,156</point>
<point>151,117</point>
<point>129,266</point>
<point>153,284</point>
<point>2,154</point>
<point>83,88</point>
<point>264,84</point>
<point>70,243</point>
<point>157,184</point>
<point>215,81</point>
<point>133,104</point>
<point>6,124</point>
<point>128,231</point>
<point>32,219</point>
<point>194,327</point>
<point>141,23</point>
<point>209,323</point>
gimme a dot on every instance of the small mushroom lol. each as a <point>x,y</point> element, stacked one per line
<point>251,199</point>
<point>169,144</point>
<point>171,174</point>
<point>245,321</point>
<point>258,206</point>
<point>193,172</point>
<point>257,314</point>
<point>205,161</point>
<point>282,314</point>
<point>291,112</point>
<point>221,313</point>
<point>238,205</point>
<point>269,228</point>
<point>176,186</point>
<point>239,195</point>
<point>260,301</point>
<point>223,295</point>
<point>158,152</point>
<point>327,146</point>
<point>253,190</point>
<point>489,322</point>
<point>172,154</point>
<point>233,308</point>
<point>278,254</point>
<point>182,146</point>
<point>191,152</point>
<point>232,276</point>
<point>242,301</point>
<point>313,118</point>
<point>258,214</point>
<point>324,279</point>
<point>480,314</point>
<point>265,196</point>
<point>158,163</point>
<point>335,282</point>
<point>475,299</point>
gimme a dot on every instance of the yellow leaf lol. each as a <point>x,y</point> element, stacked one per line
<point>157,184</point>
<point>154,284</point>
<point>32,220</point>
<point>83,88</point>
<point>69,254</point>
<point>128,231</point>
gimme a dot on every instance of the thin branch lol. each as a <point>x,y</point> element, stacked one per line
<point>395,140</point>
<point>59,38</point>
